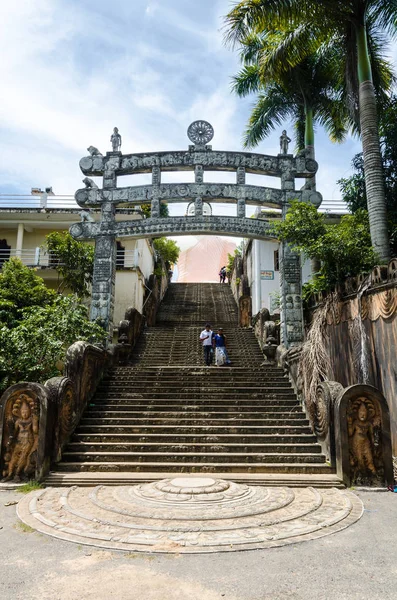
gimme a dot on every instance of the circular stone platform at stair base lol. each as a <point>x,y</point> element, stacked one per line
<point>189,515</point>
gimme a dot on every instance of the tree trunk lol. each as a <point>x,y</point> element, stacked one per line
<point>309,146</point>
<point>373,170</point>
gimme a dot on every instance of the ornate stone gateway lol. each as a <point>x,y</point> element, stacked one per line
<point>198,158</point>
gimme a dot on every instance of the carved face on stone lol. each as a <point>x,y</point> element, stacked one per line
<point>115,130</point>
<point>25,411</point>
<point>362,412</point>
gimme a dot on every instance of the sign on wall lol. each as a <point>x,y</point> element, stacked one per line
<point>267,274</point>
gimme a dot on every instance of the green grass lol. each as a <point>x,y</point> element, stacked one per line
<point>29,487</point>
<point>23,527</point>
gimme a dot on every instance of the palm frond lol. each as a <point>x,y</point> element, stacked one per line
<point>269,111</point>
<point>247,81</point>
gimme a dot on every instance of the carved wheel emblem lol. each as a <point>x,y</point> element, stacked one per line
<point>200,132</point>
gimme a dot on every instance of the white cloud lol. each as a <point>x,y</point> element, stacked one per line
<point>73,70</point>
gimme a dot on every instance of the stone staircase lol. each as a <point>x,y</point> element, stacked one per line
<point>166,413</point>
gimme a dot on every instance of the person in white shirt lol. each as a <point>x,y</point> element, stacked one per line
<point>206,339</point>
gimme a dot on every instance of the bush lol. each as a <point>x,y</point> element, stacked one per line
<point>35,348</point>
<point>344,249</point>
<point>76,262</point>
<point>37,326</point>
<point>167,249</point>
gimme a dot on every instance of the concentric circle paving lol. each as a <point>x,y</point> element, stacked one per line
<point>189,515</point>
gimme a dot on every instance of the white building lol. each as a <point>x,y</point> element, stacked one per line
<point>25,220</point>
<point>262,260</point>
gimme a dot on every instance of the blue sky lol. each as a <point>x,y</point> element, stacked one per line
<point>74,69</point>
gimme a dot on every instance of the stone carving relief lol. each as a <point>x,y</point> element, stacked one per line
<point>94,151</point>
<point>245,311</point>
<point>200,132</point>
<point>115,140</point>
<point>198,158</point>
<point>284,142</point>
<point>90,184</point>
<point>216,160</point>
<point>243,227</point>
<point>365,448</point>
<point>20,439</point>
<point>174,192</point>
<point>383,305</point>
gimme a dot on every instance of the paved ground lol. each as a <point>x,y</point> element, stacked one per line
<point>189,515</point>
<point>357,563</point>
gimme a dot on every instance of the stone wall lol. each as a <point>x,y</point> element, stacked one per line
<point>361,335</point>
<point>37,421</point>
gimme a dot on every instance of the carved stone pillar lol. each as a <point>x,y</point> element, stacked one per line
<point>198,207</point>
<point>240,180</point>
<point>103,285</point>
<point>156,180</point>
<point>199,174</point>
<point>292,331</point>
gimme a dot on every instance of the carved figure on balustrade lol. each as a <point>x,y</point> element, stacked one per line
<point>94,151</point>
<point>23,434</point>
<point>90,184</point>
<point>284,142</point>
<point>364,430</point>
<point>115,139</point>
<point>86,217</point>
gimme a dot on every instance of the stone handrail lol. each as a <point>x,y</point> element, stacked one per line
<point>352,424</point>
<point>36,421</point>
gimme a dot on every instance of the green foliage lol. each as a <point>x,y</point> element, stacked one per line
<point>74,261</point>
<point>30,486</point>
<point>35,347</point>
<point>146,209</point>
<point>36,326</point>
<point>307,93</point>
<point>20,288</point>
<point>167,249</point>
<point>232,257</point>
<point>353,187</point>
<point>344,249</point>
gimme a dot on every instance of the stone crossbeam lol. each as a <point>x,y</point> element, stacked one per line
<point>149,228</point>
<point>180,192</point>
<point>187,160</point>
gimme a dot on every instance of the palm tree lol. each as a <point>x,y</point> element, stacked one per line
<point>309,24</point>
<point>306,94</point>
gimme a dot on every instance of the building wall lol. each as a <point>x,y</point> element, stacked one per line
<point>130,288</point>
<point>264,276</point>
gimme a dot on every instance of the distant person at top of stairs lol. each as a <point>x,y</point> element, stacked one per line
<point>221,356</point>
<point>222,275</point>
<point>206,338</point>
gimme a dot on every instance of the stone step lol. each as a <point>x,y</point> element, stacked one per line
<point>177,467</point>
<point>196,381</point>
<point>253,369</point>
<point>292,420</point>
<point>187,404</point>
<point>222,438</point>
<point>194,457</point>
<point>191,448</point>
<point>141,429</point>
<point>270,479</point>
<point>188,395</point>
<point>206,386</point>
<point>190,408</point>
<point>260,414</point>
<point>167,413</point>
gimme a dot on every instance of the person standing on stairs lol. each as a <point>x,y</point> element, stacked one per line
<point>206,337</point>
<point>219,342</point>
